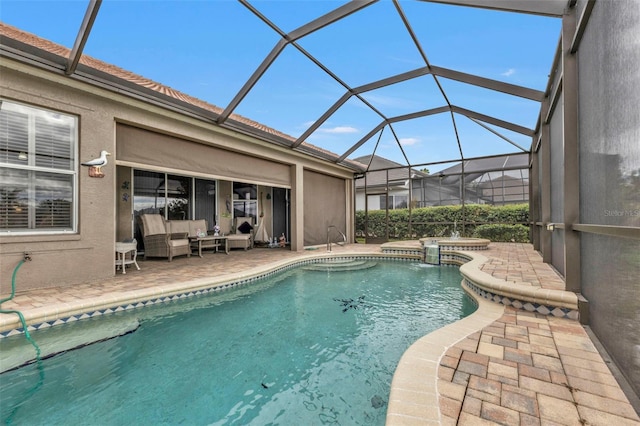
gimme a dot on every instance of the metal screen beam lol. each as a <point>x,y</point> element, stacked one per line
<point>534,200</point>
<point>329,18</point>
<point>491,120</point>
<point>244,91</point>
<point>418,114</point>
<point>361,141</point>
<point>83,35</point>
<point>395,136</point>
<point>582,25</point>
<point>412,33</point>
<point>571,173</point>
<point>398,78</point>
<point>553,8</point>
<point>507,88</point>
<point>328,113</point>
<point>544,156</point>
<point>555,98</point>
<point>480,123</point>
<point>610,230</point>
<point>356,91</point>
<point>294,35</point>
<point>487,83</point>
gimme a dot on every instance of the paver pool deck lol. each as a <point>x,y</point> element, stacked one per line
<point>501,365</point>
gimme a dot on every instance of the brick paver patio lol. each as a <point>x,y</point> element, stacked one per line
<point>529,369</point>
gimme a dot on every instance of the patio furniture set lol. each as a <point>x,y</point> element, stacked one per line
<point>170,238</point>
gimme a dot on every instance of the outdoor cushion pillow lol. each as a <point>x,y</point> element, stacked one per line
<point>245,228</point>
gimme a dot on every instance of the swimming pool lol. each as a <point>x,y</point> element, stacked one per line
<point>301,347</point>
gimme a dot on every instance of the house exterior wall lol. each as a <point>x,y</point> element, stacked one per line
<point>325,205</point>
<point>88,254</point>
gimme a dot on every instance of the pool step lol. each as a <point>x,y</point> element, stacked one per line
<point>54,340</point>
<point>341,265</point>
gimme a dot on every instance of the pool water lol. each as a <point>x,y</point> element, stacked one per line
<point>302,347</point>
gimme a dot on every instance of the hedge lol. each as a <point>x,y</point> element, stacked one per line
<point>439,221</point>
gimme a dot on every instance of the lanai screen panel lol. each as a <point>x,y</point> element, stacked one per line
<point>436,191</point>
<point>324,205</point>
<point>609,155</point>
<point>500,187</point>
<point>557,186</point>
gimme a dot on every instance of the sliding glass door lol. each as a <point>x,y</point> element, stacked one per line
<point>173,197</point>
<point>205,201</point>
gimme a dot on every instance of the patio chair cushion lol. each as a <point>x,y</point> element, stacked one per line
<point>242,241</point>
<point>178,243</point>
<point>245,228</point>
<point>178,226</point>
<point>155,225</point>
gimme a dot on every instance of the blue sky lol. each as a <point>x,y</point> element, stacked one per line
<point>208,49</point>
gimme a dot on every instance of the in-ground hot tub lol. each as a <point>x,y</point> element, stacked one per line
<point>450,244</point>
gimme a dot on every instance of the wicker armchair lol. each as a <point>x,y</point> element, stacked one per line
<point>159,241</point>
<point>239,239</point>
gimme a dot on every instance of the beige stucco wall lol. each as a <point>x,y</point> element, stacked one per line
<point>124,211</point>
<point>88,255</point>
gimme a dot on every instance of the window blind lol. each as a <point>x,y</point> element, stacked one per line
<point>37,169</point>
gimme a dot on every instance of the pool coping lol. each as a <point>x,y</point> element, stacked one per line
<point>48,316</point>
<point>520,295</point>
<point>557,303</point>
<point>413,398</point>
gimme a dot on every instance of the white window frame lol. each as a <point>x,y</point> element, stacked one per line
<point>29,165</point>
<point>394,201</point>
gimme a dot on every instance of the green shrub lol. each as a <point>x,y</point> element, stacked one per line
<point>438,221</point>
<point>503,233</point>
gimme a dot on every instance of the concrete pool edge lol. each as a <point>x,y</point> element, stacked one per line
<point>413,398</point>
<point>520,295</point>
<point>48,316</point>
<point>414,395</point>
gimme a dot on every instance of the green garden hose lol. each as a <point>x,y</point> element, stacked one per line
<point>24,323</point>
<point>13,283</point>
<point>31,391</point>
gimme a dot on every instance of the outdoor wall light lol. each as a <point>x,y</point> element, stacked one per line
<point>551,226</point>
<point>23,156</point>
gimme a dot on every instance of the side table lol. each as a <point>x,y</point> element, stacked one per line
<point>126,254</point>
<point>219,239</point>
<point>210,241</point>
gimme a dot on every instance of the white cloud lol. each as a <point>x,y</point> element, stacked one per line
<point>409,141</point>
<point>509,72</point>
<point>338,129</point>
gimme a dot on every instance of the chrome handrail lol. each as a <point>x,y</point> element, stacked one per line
<point>344,237</point>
